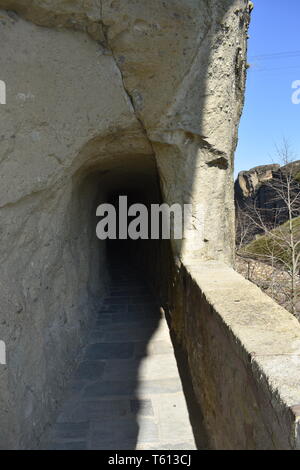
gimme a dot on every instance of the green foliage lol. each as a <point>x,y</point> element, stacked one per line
<point>274,245</point>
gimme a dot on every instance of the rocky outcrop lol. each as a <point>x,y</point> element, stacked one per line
<point>258,187</point>
<point>102,94</point>
<point>249,182</point>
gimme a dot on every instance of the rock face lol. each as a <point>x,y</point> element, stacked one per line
<point>70,14</point>
<point>256,187</point>
<point>102,94</point>
<point>248,183</point>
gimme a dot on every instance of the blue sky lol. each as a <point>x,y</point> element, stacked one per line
<point>269,114</point>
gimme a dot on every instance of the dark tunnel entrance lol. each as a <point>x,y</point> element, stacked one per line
<point>127,250</point>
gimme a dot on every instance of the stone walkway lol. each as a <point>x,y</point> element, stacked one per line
<point>126,393</point>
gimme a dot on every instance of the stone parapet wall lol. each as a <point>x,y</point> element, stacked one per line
<point>243,352</point>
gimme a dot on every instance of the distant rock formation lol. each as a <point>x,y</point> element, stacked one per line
<point>249,182</point>
<point>255,186</point>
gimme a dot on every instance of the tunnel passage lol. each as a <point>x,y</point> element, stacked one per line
<point>126,392</point>
<point>102,182</point>
<point>133,177</point>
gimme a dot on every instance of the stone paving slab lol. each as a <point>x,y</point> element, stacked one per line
<point>155,347</point>
<point>150,367</point>
<point>167,445</point>
<point>109,351</point>
<point>94,410</point>
<point>126,393</point>
<point>72,445</point>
